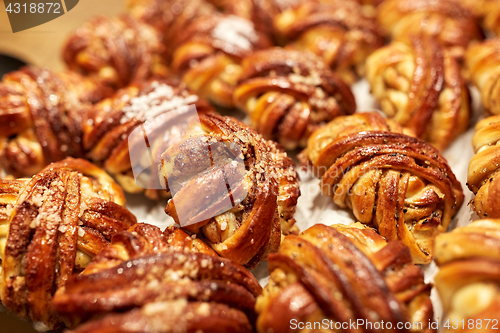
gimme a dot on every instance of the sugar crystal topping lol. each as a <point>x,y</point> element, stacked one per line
<point>236,31</point>
<point>161,99</point>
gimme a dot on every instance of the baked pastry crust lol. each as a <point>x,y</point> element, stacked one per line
<point>116,51</point>
<point>469,274</point>
<point>344,274</point>
<point>40,117</point>
<point>399,184</point>
<point>205,46</point>
<point>337,31</point>
<point>421,87</point>
<point>482,173</point>
<point>50,228</point>
<point>143,239</point>
<point>150,106</point>
<point>147,279</point>
<point>169,17</point>
<point>487,11</point>
<point>289,94</point>
<point>483,69</point>
<point>208,52</point>
<point>453,25</point>
<point>263,188</point>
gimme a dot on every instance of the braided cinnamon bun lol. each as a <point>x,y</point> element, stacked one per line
<point>168,17</point>
<point>154,107</point>
<point>486,11</point>
<point>208,52</point>
<point>40,117</point>
<point>483,69</point>
<point>399,184</point>
<point>115,51</point>
<point>231,187</point>
<point>143,239</point>
<point>339,275</point>
<point>453,25</point>
<point>421,87</point>
<point>50,228</point>
<point>337,31</point>
<point>289,94</point>
<point>482,173</point>
<point>468,281</point>
<point>260,12</point>
<point>145,282</point>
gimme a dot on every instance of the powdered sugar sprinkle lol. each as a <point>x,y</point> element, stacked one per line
<point>161,99</point>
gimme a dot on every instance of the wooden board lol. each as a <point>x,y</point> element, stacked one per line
<point>41,46</point>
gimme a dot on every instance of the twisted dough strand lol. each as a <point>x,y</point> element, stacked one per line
<point>205,46</point>
<point>52,225</point>
<point>143,239</point>
<point>41,116</point>
<point>263,189</point>
<point>146,278</point>
<point>154,107</point>
<point>487,11</point>
<point>468,280</point>
<point>397,183</point>
<point>319,273</point>
<point>116,51</point>
<point>483,69</point>
<point>208,52</point>
<point>482,173</point>
<point>421,87</point>
<point>260,12</point>
<point>453,25</point>
<point>169,17</point>
<point>337,31</point>
<point>289,94</point>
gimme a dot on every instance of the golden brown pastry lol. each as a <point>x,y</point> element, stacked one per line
<point>143,239</point>
<point>468,281</point>
<point>453,25</point>
<point>146,282</point>
<point>421,87</point>
<point>477,7</point>
<point>483,69</point>
<point>483,168</point>
<point>41,116</point>
<point>399,184</point>
<point>373,3</point>
<point>260,12</point>
<point>116,51</point>
<point>492,19</point>
<point>205,46</point>
<point>338,31</point>
<point>341,275</point>
<point>108,126</point>
<point>487,11</point>
<point>169,17</point>
<point>50,228</point>
<point>241,198</point>
<point>208,53</point>
<point>289,94</point>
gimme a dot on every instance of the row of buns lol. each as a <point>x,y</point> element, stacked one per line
<point>73,255</point>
